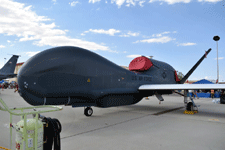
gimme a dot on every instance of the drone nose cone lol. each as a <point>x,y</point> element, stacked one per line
<point>27,90</point>
<point>57,73</point>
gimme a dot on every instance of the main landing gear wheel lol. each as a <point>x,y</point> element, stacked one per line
<point>88,111</point>
<point>190,106</point>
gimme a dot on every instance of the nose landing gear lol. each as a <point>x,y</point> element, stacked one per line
<point>88,111</point>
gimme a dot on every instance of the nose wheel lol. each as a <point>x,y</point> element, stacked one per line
<point>88,111</point>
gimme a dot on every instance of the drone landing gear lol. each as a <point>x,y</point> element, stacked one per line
<point>159,97</point>
<point>191,107</point>
<point>88,111</point>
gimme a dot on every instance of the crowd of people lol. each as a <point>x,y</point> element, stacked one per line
<point>212,93</point>
<point>12,85</point>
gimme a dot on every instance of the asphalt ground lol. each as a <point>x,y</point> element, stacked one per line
<point>146,125</point>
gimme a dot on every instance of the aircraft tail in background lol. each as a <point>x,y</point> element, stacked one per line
<point>10,66</point>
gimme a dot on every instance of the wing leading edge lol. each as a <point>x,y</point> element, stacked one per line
<point>181,86</point>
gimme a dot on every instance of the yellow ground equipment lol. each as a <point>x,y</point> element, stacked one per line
<point>190,112</point>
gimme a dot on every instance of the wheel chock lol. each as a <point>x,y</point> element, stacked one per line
<point>190,112</point>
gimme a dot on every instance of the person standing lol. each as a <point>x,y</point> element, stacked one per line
<point>192,94</point>
<point>212,93</point>
<point>17,87</point>
<point>195,93</point>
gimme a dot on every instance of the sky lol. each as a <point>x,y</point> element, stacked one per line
<point>177,32</point>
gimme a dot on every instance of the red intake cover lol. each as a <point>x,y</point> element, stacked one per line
<point>140,64</point>
<point>176,77</point>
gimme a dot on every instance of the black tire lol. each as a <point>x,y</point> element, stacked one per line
<point>88,111</point>
<point>189,106</point>
<point>58,124</point>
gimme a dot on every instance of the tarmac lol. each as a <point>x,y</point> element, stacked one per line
<point>143,126</point>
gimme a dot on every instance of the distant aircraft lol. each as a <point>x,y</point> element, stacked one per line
<point>77,77</point>
<point>8,69</point>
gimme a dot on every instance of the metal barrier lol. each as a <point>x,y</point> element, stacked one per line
<point>24,117</point>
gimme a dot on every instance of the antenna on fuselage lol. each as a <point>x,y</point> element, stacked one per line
<point>194,67</point>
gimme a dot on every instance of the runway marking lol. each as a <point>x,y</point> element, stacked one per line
<point>4,148</point>
<point>167,111</point>
<point>213,119</point>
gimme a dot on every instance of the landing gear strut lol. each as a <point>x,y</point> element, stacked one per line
<point>191,107</point>
<point>88,111</point>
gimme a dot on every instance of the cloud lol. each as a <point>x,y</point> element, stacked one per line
<point>219,58</point>
<point>186,44</point>
<point>54,2</point>
<point>211,1</point>
<point>163,39</point>
<point>94,1</point>
<point>2,46</point>
<point>133,56</point>
<point>128,3</point>
<point>141,3</point>
<point>170,2</point>
<point>74,3</point>
<point>207,77</point>
<point>32,53</point>
<point>118,2</point>
<point>160,34</point>
<point>19,20</point>
<point>129,34</point>
<point>65,41</point>
<point>8,41</point>
<point>110,32</point>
